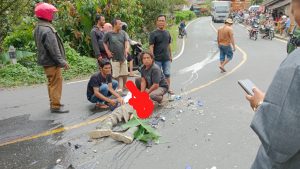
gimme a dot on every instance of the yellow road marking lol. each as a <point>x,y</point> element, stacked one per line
<point>54,131</point>
<point>88,122</point>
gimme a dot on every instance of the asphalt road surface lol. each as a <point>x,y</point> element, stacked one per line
<point>207,128</point>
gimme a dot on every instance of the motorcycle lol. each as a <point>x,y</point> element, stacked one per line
<point>253,33</point>
<point>181,33</point>
<point>268,32</point>
<point>136,50</point>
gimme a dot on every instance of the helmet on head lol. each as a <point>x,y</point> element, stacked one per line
<point>45,11</point>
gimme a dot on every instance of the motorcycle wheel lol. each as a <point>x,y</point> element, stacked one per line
<point>255,36</point>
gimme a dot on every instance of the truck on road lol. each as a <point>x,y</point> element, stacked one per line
<point>220,10</point>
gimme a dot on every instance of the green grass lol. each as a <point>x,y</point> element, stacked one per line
<point>174,34</point>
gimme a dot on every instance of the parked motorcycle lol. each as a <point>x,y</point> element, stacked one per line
<point>136,50</point>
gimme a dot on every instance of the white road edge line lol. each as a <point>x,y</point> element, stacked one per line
<point>183,43</point>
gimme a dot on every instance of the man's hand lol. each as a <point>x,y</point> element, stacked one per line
<point>171,59</point>
<point>110,54</point>
<point>100,58</point>
<point>120,100</point>
<point>256,98</point>
<point>66,67</point>
<point>234,49</point>
<point>112,102</point>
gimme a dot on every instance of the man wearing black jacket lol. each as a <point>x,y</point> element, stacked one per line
<point>51,54</point>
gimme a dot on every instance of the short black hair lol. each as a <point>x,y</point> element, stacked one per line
<point>161,15</point>
<point>103,63</point>
<point>98,17</point>
<point>144,53</point>
<point>114,21</point>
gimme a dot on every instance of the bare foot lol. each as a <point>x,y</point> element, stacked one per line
<point>222,69</point>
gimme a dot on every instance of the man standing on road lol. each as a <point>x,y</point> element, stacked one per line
<point>225,40</point>
<point>51,54</point>
<point>160,47</point>
<point>277,119</point>
<point>97,34</point>
<point>117,48</point>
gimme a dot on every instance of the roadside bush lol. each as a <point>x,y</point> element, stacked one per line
<point>27,72</point>
<point>22,36</point>
<point>184,15</point>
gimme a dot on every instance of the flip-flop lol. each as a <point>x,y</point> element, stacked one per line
<point>101,106</point>
<point>134,75</point>
<point>222,69</point>
<point>171,92</point>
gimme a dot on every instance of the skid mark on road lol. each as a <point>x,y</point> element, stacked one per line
<point>245,56</point>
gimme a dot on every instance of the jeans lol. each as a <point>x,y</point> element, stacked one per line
<point>165,66</point>
<point>225,51</point>
<point>156,95</point>
<point>103,89</point>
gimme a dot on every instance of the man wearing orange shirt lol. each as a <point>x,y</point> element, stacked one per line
<point>226,43</point>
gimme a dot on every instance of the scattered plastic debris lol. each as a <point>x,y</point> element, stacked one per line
<point>188,167</point>
<point>95,151</point>
<point>163,118</point>
<point>180,111</point>
<point>214,167</point>
<point>77,146</point>
<point>58,161</point>
<point>199,103</point>
<point>177,97</point>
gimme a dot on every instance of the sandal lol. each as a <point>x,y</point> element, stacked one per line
<point>101,106</point>
<point>171,92</point>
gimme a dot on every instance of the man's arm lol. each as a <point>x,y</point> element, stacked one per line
<point>232,40</point>
<point>113,92</point>
<point>151,43</point>
<point>143,84</point>
<point>105,44</point>
<point>153,87</point>
<point>101,96</point>
<point>171,58</point>
<point>95,44</point>
<point>51,44</point>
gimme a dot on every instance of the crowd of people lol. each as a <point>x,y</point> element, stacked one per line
<point>276,120</point>
<point>111,46</point>
<point>266,20</point>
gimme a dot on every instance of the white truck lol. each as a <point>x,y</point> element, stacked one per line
<point>220,10</point>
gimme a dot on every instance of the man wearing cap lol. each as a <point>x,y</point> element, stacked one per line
<point>51,54</point>
<point>226,43</point>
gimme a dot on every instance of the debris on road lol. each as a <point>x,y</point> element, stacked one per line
<point>77,146</point>
<point>199,103</point>
<point>58,161</point>
<point>188,167</point>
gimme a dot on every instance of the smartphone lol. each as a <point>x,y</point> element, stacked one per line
<point>247,85</point>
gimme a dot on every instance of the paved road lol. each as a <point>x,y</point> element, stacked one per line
<point>215,134</point>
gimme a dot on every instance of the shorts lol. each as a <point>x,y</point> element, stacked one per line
<point>225,51</point>
<point>165,66</point>
<point>119,69</point>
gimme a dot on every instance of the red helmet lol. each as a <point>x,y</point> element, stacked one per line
<point>45,11</point>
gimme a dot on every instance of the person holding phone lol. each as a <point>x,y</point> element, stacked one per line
<point>277,117</point>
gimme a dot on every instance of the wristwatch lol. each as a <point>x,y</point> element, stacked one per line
<point>258,104</point>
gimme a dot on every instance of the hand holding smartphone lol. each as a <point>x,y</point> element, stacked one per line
<point>247,85</point>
